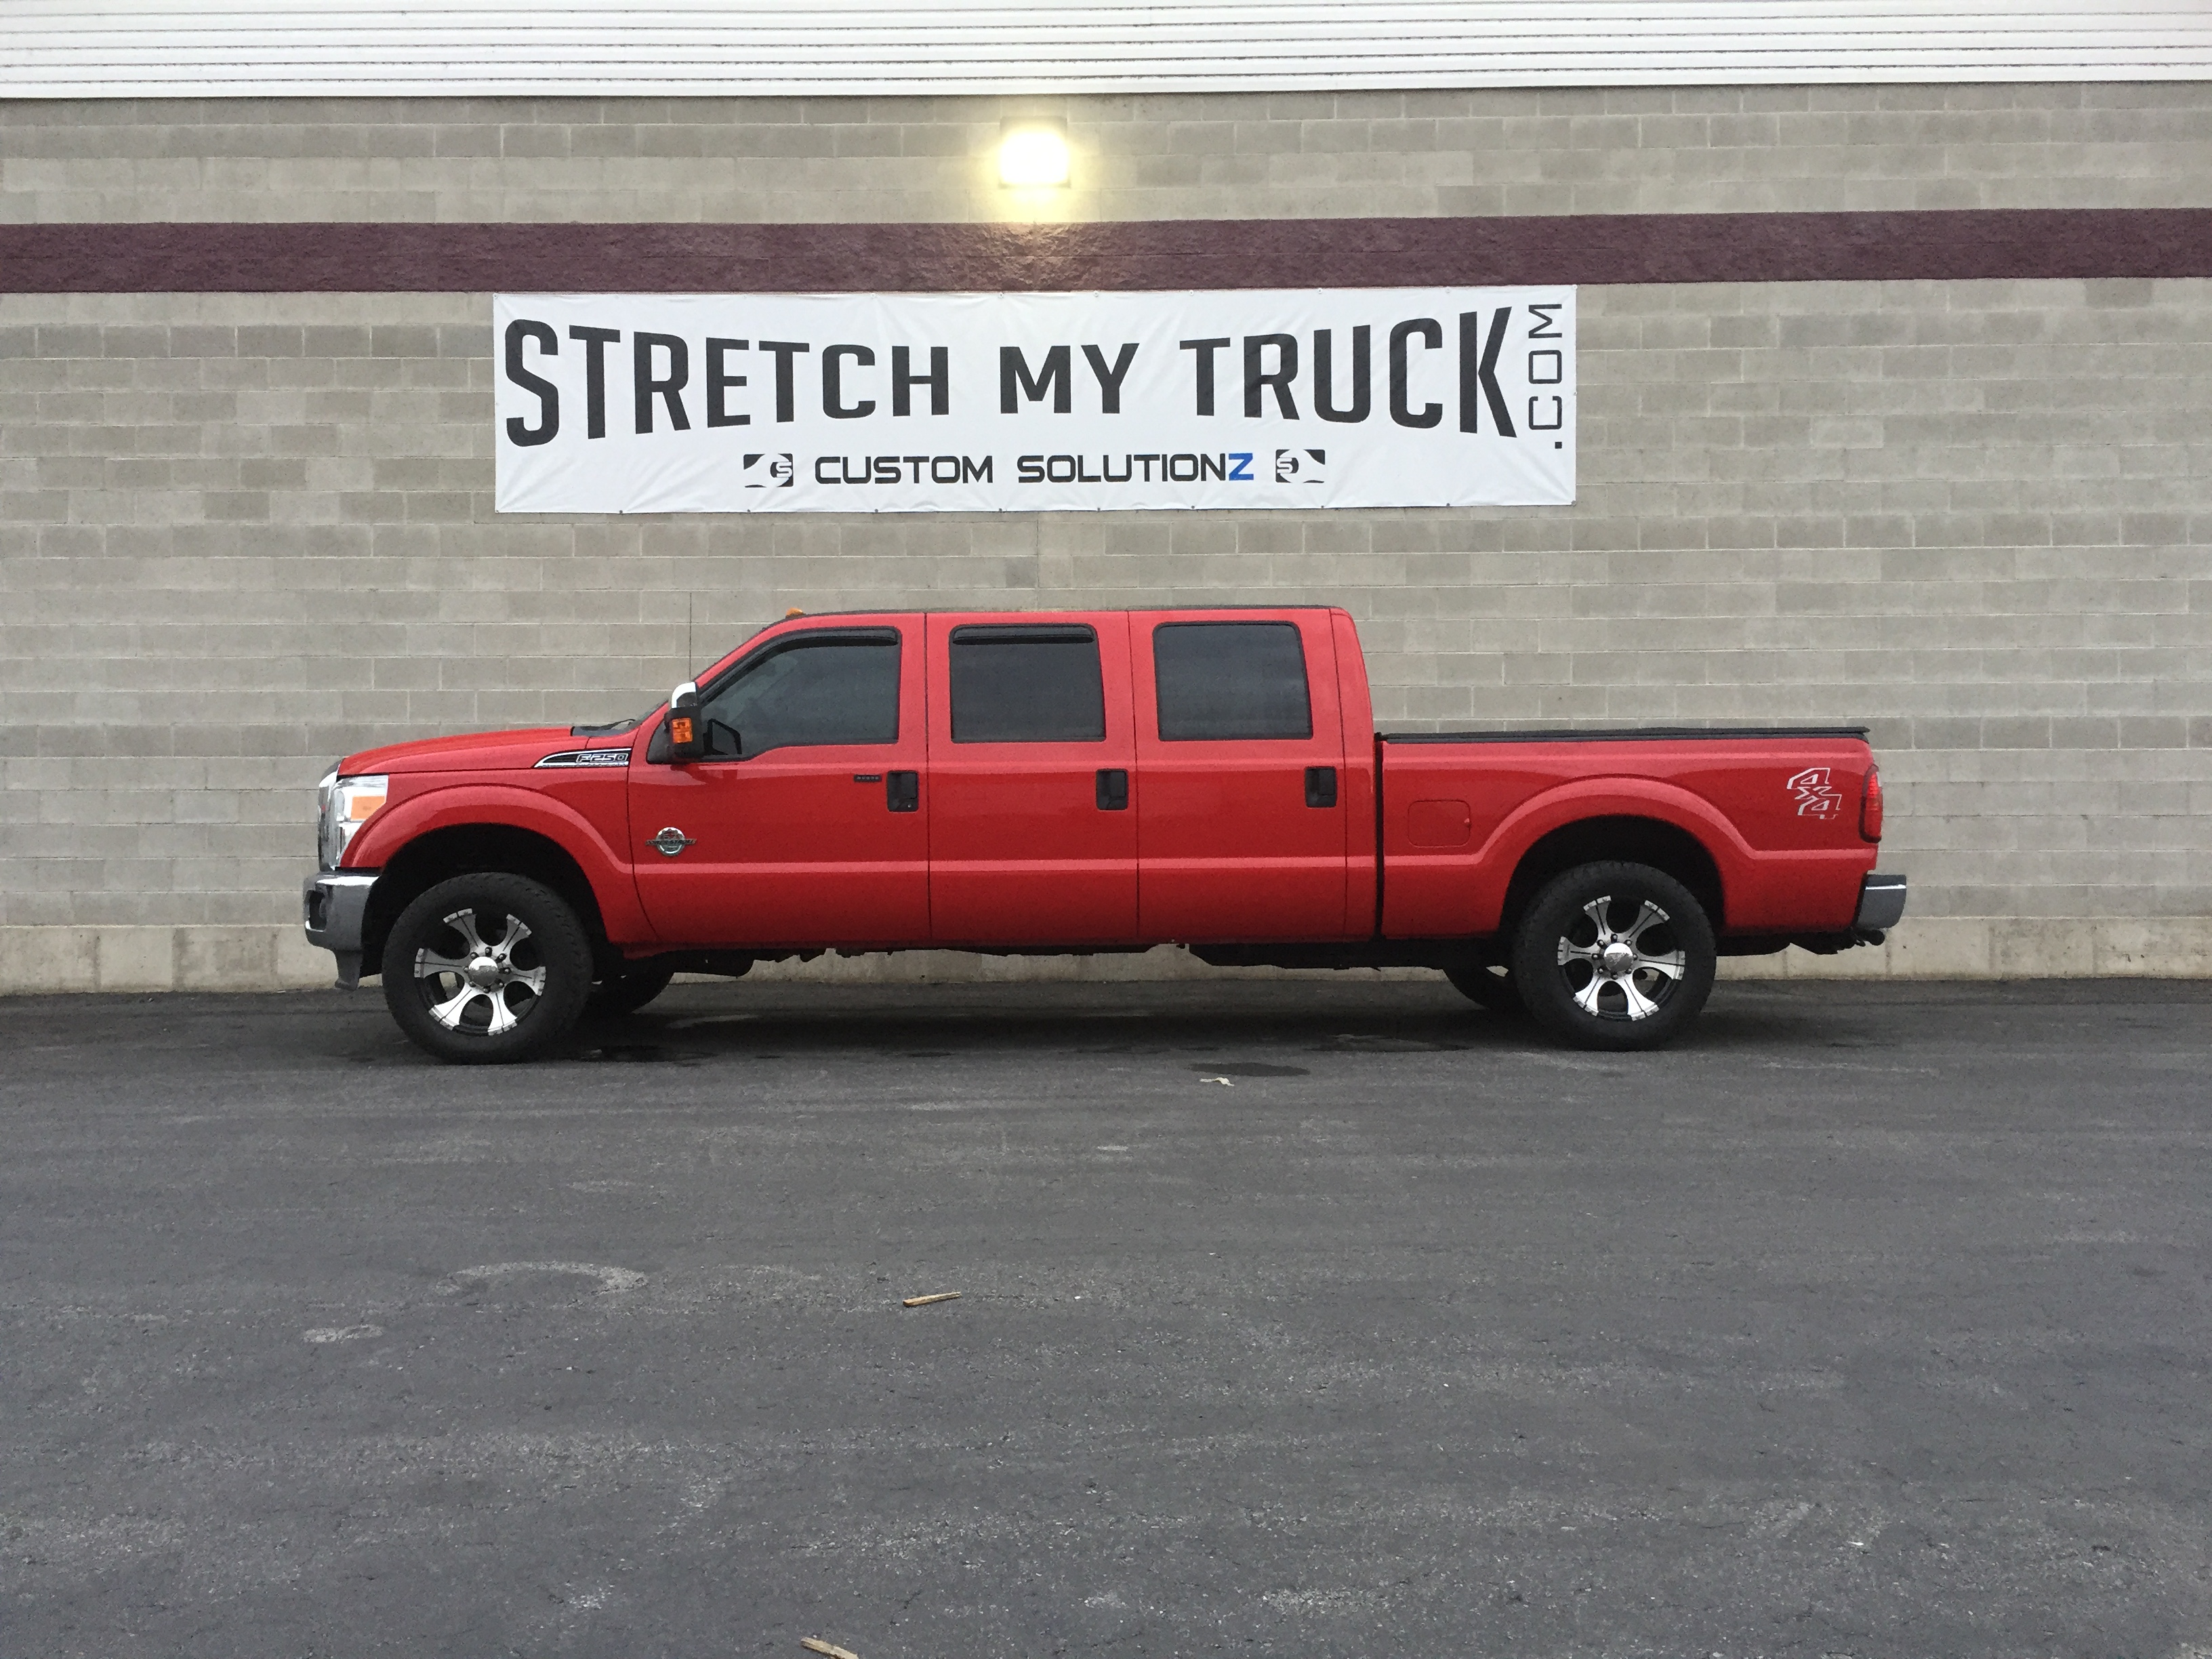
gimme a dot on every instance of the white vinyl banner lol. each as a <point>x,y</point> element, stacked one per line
<point>968,403</point>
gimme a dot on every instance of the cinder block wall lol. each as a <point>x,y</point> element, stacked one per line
<point>1713,149</point>
<point>240,534</point>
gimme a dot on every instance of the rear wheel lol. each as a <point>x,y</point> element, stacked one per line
<point>487,968</point>
<point>1614,956</point>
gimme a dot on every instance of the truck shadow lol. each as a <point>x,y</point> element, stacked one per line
<point>696,1025</point>
<point>1012,1024</point>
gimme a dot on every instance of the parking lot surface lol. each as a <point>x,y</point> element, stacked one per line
<point>1301,1318</point>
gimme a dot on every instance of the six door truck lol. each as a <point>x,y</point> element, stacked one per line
<point>1081,781</point>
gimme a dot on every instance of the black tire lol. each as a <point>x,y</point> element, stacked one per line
<point>1491,986</point>
<point>628,990</point>
<point>1637,998</point>
<point>502,1000</point>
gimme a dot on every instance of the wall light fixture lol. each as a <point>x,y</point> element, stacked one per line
<point>1033,155</point>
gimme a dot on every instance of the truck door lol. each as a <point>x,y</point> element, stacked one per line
<point>1033,837</point>
<point>1241,819</point>
<point>805,824</point>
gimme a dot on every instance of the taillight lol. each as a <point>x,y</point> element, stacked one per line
<point>1870,806</point>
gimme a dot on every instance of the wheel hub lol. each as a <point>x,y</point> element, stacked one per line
<point>471,989</point>
<point>1618,975</point>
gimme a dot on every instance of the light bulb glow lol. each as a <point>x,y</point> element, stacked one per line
<point>1033,156</point>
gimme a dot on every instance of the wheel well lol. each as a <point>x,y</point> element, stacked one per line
<point>461,848</point>
<point>1635,841</point>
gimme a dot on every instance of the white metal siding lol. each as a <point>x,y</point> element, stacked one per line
<point>266,48</point>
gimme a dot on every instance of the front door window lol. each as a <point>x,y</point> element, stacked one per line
<point>810,694</point>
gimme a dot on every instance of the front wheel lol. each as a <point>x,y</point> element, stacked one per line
<point>487,968</point>
<point>1614,956</point>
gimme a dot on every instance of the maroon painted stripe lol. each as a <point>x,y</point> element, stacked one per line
<point>1187,253</point>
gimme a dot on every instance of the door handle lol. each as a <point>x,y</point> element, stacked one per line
<point>902,791</point>
<point>1320,786</point>
<point>1113,789</point>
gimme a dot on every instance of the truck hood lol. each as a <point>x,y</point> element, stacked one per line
<point>478,751</point>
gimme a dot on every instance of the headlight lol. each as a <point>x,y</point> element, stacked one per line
<point>345,804</point>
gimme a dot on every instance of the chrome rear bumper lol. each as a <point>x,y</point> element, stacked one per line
<point>1881,903</point>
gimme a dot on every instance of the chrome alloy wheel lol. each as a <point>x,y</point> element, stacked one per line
<point>475,989</point>
<point>1614,971</point>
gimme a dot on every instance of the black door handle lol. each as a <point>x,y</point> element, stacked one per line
<point>1113,789</point>
<point>1320,786</point>
<point>902,791</point>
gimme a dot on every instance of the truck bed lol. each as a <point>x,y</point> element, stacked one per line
<point>1622,734</point>
<point>1772,812</point>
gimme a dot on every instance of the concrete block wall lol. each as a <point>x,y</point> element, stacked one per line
<point>240,534</point>
<point>1650,149</point>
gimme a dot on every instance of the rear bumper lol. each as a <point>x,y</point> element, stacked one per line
<point>334,908</point>
<point>1882,903</point>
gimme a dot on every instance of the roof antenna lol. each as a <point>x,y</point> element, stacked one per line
<point>691,659</point>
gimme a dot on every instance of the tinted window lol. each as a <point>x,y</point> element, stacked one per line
<point>843,688</point>
<point>1232,680</point>
<point>1027,685</point>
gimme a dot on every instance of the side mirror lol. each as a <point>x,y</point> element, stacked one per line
<point>687,739</point>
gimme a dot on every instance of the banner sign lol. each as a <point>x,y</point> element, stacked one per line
<point>982,403</point>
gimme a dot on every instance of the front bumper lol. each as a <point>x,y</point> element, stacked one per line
<point>334,908</point>
<point>1881,903</point>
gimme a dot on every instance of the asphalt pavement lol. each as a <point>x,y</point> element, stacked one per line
<point>1309,1318</point>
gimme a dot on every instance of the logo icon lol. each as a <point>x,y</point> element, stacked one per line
<point>776,474</point>
<point>1301,465</point>
<point>1817,798</point>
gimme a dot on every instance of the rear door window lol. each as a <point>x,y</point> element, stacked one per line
<point>1231,680</point>
<point>1013,684</point>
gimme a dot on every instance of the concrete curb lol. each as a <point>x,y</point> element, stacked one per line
<point>270,958</point>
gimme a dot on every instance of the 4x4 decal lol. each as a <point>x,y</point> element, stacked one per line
<point>1817,798</point>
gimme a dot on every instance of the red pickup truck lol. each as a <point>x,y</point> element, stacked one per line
<point>1081,781</point>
